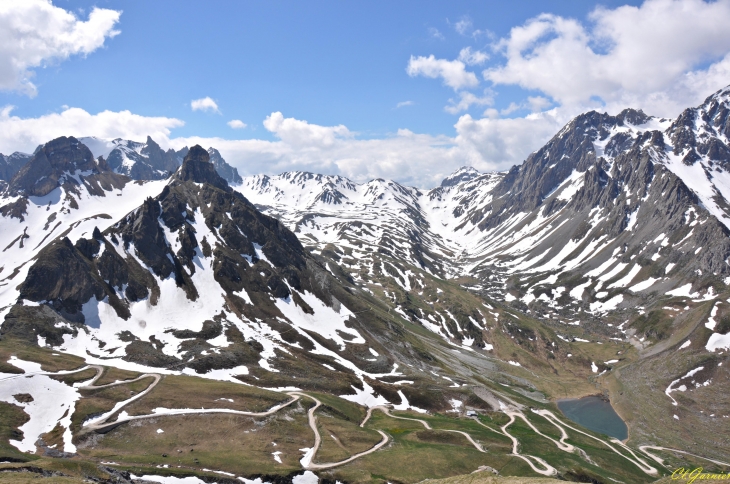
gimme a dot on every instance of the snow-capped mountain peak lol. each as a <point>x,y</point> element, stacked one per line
<point>148,161</point>
<point>464,173</point>
<point>597,186</point>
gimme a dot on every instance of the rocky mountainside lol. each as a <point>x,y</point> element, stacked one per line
<point>11,164</point>
<point>139,161</point>
<point>61,191</point>
<point>599,265</point>
<point>197,280</point>
<point>61,162</point>
<point>147,161</point>
<point>226,171</point>
<point>611,214</point>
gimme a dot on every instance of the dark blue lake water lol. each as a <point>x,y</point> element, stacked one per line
<point>595,414</point>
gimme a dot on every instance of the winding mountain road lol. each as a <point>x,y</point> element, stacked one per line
<point>102,422</point>
<point>537,464</point>
<point>660,461</point>
<point>309,457</point>
<point>425,424</point>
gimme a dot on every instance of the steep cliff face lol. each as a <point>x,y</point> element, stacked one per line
<point>623,200</point>
<point>226,171</point>
<point>11,164</point>
<point>525,187</point>
<point>60,161</point>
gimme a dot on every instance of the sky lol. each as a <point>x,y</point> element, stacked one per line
<point>408,90</point>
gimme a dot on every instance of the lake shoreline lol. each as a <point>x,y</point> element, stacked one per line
<point>596,413</point>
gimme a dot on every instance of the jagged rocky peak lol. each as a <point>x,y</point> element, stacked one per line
<point>142,161</point>
<point>148,161</point>
<point>52,165</point>
<point>195,252</point>
<point>197,168</point>
<point>11,164</point>
<point>599,126</point>
<point>150,145</point>
<point>704,131</point>
<point>633,117</point>
<point>229,173</point>
<point>463,174</point>
<point>582,144</point>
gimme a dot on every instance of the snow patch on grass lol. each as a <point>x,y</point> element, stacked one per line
<point>711,323</point>
<point>611,304</point>
<point>624,281</point>
<point>325,321</point>
<point>405,405</point>
<point>53,403</point>
<point>718,341</point>
<point>643,285</point>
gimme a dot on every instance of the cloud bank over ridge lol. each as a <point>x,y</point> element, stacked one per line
<point>661,56</point>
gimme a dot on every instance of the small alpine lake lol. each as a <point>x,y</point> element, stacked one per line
<point>596,414</point>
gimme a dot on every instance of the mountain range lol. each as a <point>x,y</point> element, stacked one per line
<point>611,213</point>
<point>600,265</point>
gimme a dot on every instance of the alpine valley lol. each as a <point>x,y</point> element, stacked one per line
<point>162,315</point>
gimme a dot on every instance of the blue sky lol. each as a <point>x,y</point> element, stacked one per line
<point>327,62</point>
<point>363,71</point>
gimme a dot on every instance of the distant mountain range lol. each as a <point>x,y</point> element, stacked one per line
<point>139,161</point>
<point>609,214</point>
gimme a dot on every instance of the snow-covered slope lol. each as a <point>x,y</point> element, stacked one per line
<point>140,161</point>
<point>611,210</point>
<point>147,161</point>
<point>698,152</point>
<point>193,280</point>
<point>83,199</point>
<point>381,216</point>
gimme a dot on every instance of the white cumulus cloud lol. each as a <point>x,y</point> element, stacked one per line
<point>662,56</point>
<point>34,33</point>
<point>420,160</point>
<point>650,56</point>
<point>467,100</point>
<point>301,134</point>
<point>236,124</point>
<point>495,142</point>
<point>25,134</point>
<point>205,104</point>
<point>453,73</point>
<point>472,58</point>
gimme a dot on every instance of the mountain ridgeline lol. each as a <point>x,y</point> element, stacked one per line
<point>138,161</point>
<point>162,235</point>
<point>148,161</point>
<point>622,208</point>
<point>601,262</point>
<point>196,277</point>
